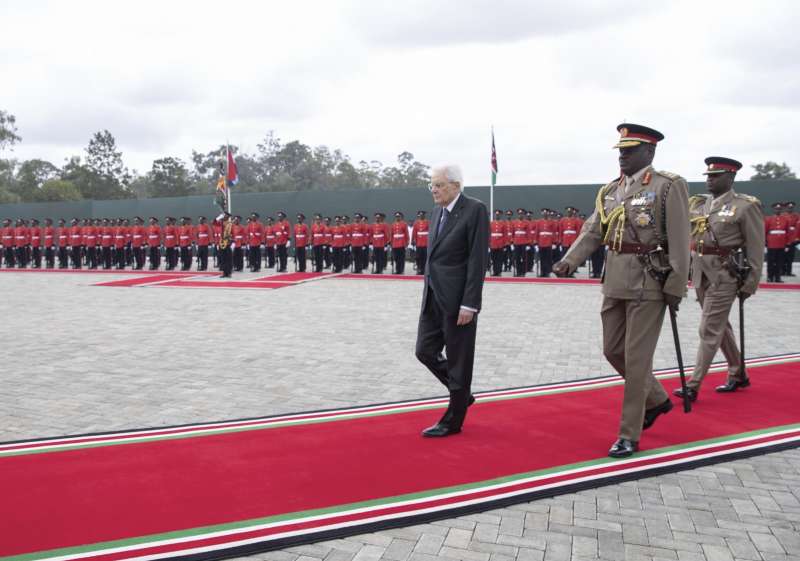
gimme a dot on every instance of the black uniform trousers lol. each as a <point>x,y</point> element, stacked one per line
<point>170,258</point>
<point>283,256</point>
<point>531,258</point>
<point>300,258</point>
<point>348,257</point>
<point>226,261</point>
<point>775,263</point>
<point>76,257</point>
<point>497,261</point>
<point>105,255</point>
<point>421,258</point>
<point>358,259</point>
<point>437,331</point>
<point>255,257</point>
<point>338,259</point>
<point>598,259</point>
<point>186,257</point>
<point>91,257</point>
<point>327,256</point>
<point>10,258</point>
<point>138,258</point>
<point>202,256</point>
<point>788,259</point>
<point>399,258</point>
<point>155,257</point>
<point>545,261</point>
<point>380,259</point>
<point>63,257</point>
<point>520,267</point>
<point>238,258</point>
<point>317,257</point>
<point>36,257</point>
<point>50,257</point>
<point>270,256</point>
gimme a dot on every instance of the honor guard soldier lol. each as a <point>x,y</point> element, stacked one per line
<point>530,254</point>
<point>138,241</point>
<point>239,234</point>
<point>283,232</point>
<point>301,237</point>
<point>106,235</point>
<point>204,235</point>
<point>380,240</point>
<point>119,244</point>
<point>154,243</point>
<point>776,228</point>
<point>399,243</point>
<point>269,242</point>
<point>226,245</point>
<point>126,224</point>
<point>367,230</point>
<point>338,235</point>
<point>520,241</point>
<point>35,232</point>
<point>255,239</point>
<point>317,242</point>
<point>75,240</point>
<point>327,252</point>
<point>793,234</point>
<point>419,241</point>
<point>643,217</point>
<point>508,258</point>
<point>546,236</point>
<point>9,244</point>
<point>170,243</point>
<point>62,235</point>
<point>185,241</point>
<point>358,240</point>
<point>727,237</point>
<point>91,239</point>
<point>49,239</point>
<point>348,240</point>
<point>569,226</point>
<point>497,242</point>
<point>21,244</point>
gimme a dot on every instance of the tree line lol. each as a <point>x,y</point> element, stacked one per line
<point>275,166</point>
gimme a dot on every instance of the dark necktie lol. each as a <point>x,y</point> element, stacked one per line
<point>442,222</point>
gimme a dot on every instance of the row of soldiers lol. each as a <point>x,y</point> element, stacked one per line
<point>516,243</point>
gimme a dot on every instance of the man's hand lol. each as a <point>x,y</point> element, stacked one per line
<point>561,269</point>
<point>464,317</point>
<point>672,301</point>
<point>744,295</point>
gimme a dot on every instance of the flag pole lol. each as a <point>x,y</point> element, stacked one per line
<point>491,187</point>
<point>227,165</point>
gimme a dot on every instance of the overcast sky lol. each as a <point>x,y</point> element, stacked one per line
<point>374,78</point>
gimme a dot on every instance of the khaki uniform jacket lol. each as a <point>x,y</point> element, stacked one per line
<point>625,276</point>
<point>732,221</point>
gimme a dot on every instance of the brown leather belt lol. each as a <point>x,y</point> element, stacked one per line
<point>637,248</point>
<point>721,251</point>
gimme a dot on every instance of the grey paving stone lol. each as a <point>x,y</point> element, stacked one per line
<point>138,375</point>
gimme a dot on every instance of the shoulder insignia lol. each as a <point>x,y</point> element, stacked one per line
<point>748,198</point>
<point>668,174</point>
<point>698,200</point>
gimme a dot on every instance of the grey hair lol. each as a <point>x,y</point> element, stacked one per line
<point>452,172</point>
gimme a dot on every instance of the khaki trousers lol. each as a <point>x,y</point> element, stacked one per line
<point>630,334</point>
<point>715,330</point>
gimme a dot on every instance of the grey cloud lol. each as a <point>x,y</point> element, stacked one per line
<point>419,23</point>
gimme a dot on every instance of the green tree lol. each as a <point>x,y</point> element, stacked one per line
<point>772,171</point>
<point>30,177</point>
<point>91,184</point>
<point>59,190</point>
<point>8,130</point>
<point>169,178</point>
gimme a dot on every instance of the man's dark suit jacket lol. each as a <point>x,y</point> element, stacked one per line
<point>457,257</point>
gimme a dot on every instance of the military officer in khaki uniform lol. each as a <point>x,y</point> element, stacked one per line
<point>727,228</point>
<point>643,218</point>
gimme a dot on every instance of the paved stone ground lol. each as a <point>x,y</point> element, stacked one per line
<point>81,358</point>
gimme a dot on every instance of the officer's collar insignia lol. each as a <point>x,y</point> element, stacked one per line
<point>647,177</point>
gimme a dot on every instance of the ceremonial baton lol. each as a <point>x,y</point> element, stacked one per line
<point>673,318</point>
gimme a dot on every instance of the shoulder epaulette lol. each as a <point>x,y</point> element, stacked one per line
<point>698,199</point>
<point>668,174</point>
<point>749,198</point>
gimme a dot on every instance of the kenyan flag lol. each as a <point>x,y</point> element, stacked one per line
<point>494,162</point>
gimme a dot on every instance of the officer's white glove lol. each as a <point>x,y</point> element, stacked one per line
<point>289,244</point>
<point>536,247</point>
<point>527,248</point>
<point>233,246</point>
<point>413,247</point>
<point>512,247</point>
<point>261,246</point>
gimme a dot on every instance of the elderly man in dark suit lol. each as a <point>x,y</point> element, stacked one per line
<point>451,298</point>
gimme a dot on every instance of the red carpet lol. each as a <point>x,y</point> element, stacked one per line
<point>229,283</point>
<point>139,281</point>
<point>293,277</point>
<point>237,487</point>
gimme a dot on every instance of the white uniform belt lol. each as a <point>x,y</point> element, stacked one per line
<point>570,231</point>
<point>520,232</point>
<point>497,234</point>
<point>399,236</point>
<point>777,231</point>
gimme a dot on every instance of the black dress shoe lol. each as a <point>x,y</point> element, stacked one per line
<point>440,430</point>
<point>689,392</point>
<point>650,415</point>
<point>732,385</point>
<point>623,448</point>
